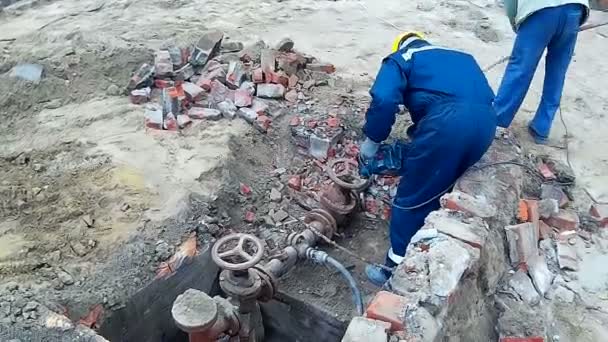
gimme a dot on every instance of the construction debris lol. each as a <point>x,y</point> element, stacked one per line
<point>196,81</point>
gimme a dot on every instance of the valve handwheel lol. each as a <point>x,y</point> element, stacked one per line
<point>344,173</point>
<point>230,252</point>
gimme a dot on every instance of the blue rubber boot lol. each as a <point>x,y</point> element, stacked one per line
<point>537,138</point>
<point>377,275</point>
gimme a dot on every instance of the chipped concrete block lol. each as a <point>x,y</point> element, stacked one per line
<point>522,284</point>
<point>540,274</point>
<point>363,329</point>
<point>448,261</point>
<point>473,234</point>
<point>566,256</point>
<point>522,239</point>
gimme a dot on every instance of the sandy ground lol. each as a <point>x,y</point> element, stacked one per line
<point>90,46</point>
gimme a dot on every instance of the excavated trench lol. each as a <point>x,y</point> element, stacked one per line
<point>147,315</point>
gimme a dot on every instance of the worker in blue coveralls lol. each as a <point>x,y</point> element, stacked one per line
<point>454,123</point>
<point>540,25</point>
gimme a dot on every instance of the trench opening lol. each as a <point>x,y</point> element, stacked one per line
<point>147,314</point>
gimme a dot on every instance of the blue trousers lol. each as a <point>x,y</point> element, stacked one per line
<point>556,30</point>
<point>446,142</point>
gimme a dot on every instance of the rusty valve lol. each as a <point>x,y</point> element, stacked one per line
<point>344,173</point>
<point>229,252</point>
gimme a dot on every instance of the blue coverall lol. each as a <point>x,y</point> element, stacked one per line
<point>450,103</point>
<point>553,28</point>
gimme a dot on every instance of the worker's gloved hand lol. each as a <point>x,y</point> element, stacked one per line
<point>368,149</point>
<point>367,153</point>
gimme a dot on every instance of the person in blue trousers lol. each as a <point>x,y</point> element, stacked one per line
<point>540,24</point>
<point>454,123</point>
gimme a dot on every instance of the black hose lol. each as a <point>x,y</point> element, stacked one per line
<point>351,282</point>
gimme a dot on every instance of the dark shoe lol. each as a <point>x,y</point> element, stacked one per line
<point>377,275</point>
<point>537,138</point>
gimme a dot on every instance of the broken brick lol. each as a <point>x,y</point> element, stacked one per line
<point>235,74</point>
<point>219,92</point>
<point>202,113</point>
<point>451,225</point>
<point>208,46</point>
<point>522,211</point>
<point>244,189</point>
<point>139,96</point>
<point>291,96</point>
<point>142,77</point>
<point>566,256</point>
<point>293,81</point>
<point>295,183</point>
<point>533,215</point>
<point>272,91</point>
<point>161,84</point>
<point>552,191</point>
<point>388,307</point>
<point>184,73</point>
<point>523,243</point>
<point>183,120</point>
<point>242,98</point>
<point>204,83</point>
<point>247,114</point>
<point>153,118</point>
<point>546,172</point>
<point>333,122</point>
<point>249,87</point>
<point>522,339</point>
<point>295,121</point>
<point>462,202</point>
<point>193,92</point>
<point>290,62</point>
<point>262,123</point>
<point>163,65</point>
<point>564,220</point>
<point>371,205</point>
<point>227,108</point>
<point>259,106</point>
<point>175,55</point>
<point>170,122</point>
<point>599,212</point>
<point>258,76</point>
<point>322,67</point>
<point>249,216</point>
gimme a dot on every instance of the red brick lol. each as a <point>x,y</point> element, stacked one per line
<point>324,67</point>
<point>258,76</point>
<point>268,61</point>
<point>244,189</point>
<point>564,220</point>
<point>139,96</point>
<point>333,122</point>
<point>249,216</point>
<point>293,81</point>
<point>242,98</point>
<point>388,307</point>
<point>534,215</point>
<point>262,123</point>
<point>170,123</point>
<point>259,106</point>
<point>161,84</point>
<point>295,183</point>
<point>295,121</point>
<point>204,83</point>
<point>312,124</point>
<point>522,211</point>
<point>600,213</point>
<point>546,172</point>
<point>522,339</point>
<point>193,92</point>
<point>291,96</point>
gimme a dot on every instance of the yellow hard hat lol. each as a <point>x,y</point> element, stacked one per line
<point>402,37</point>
